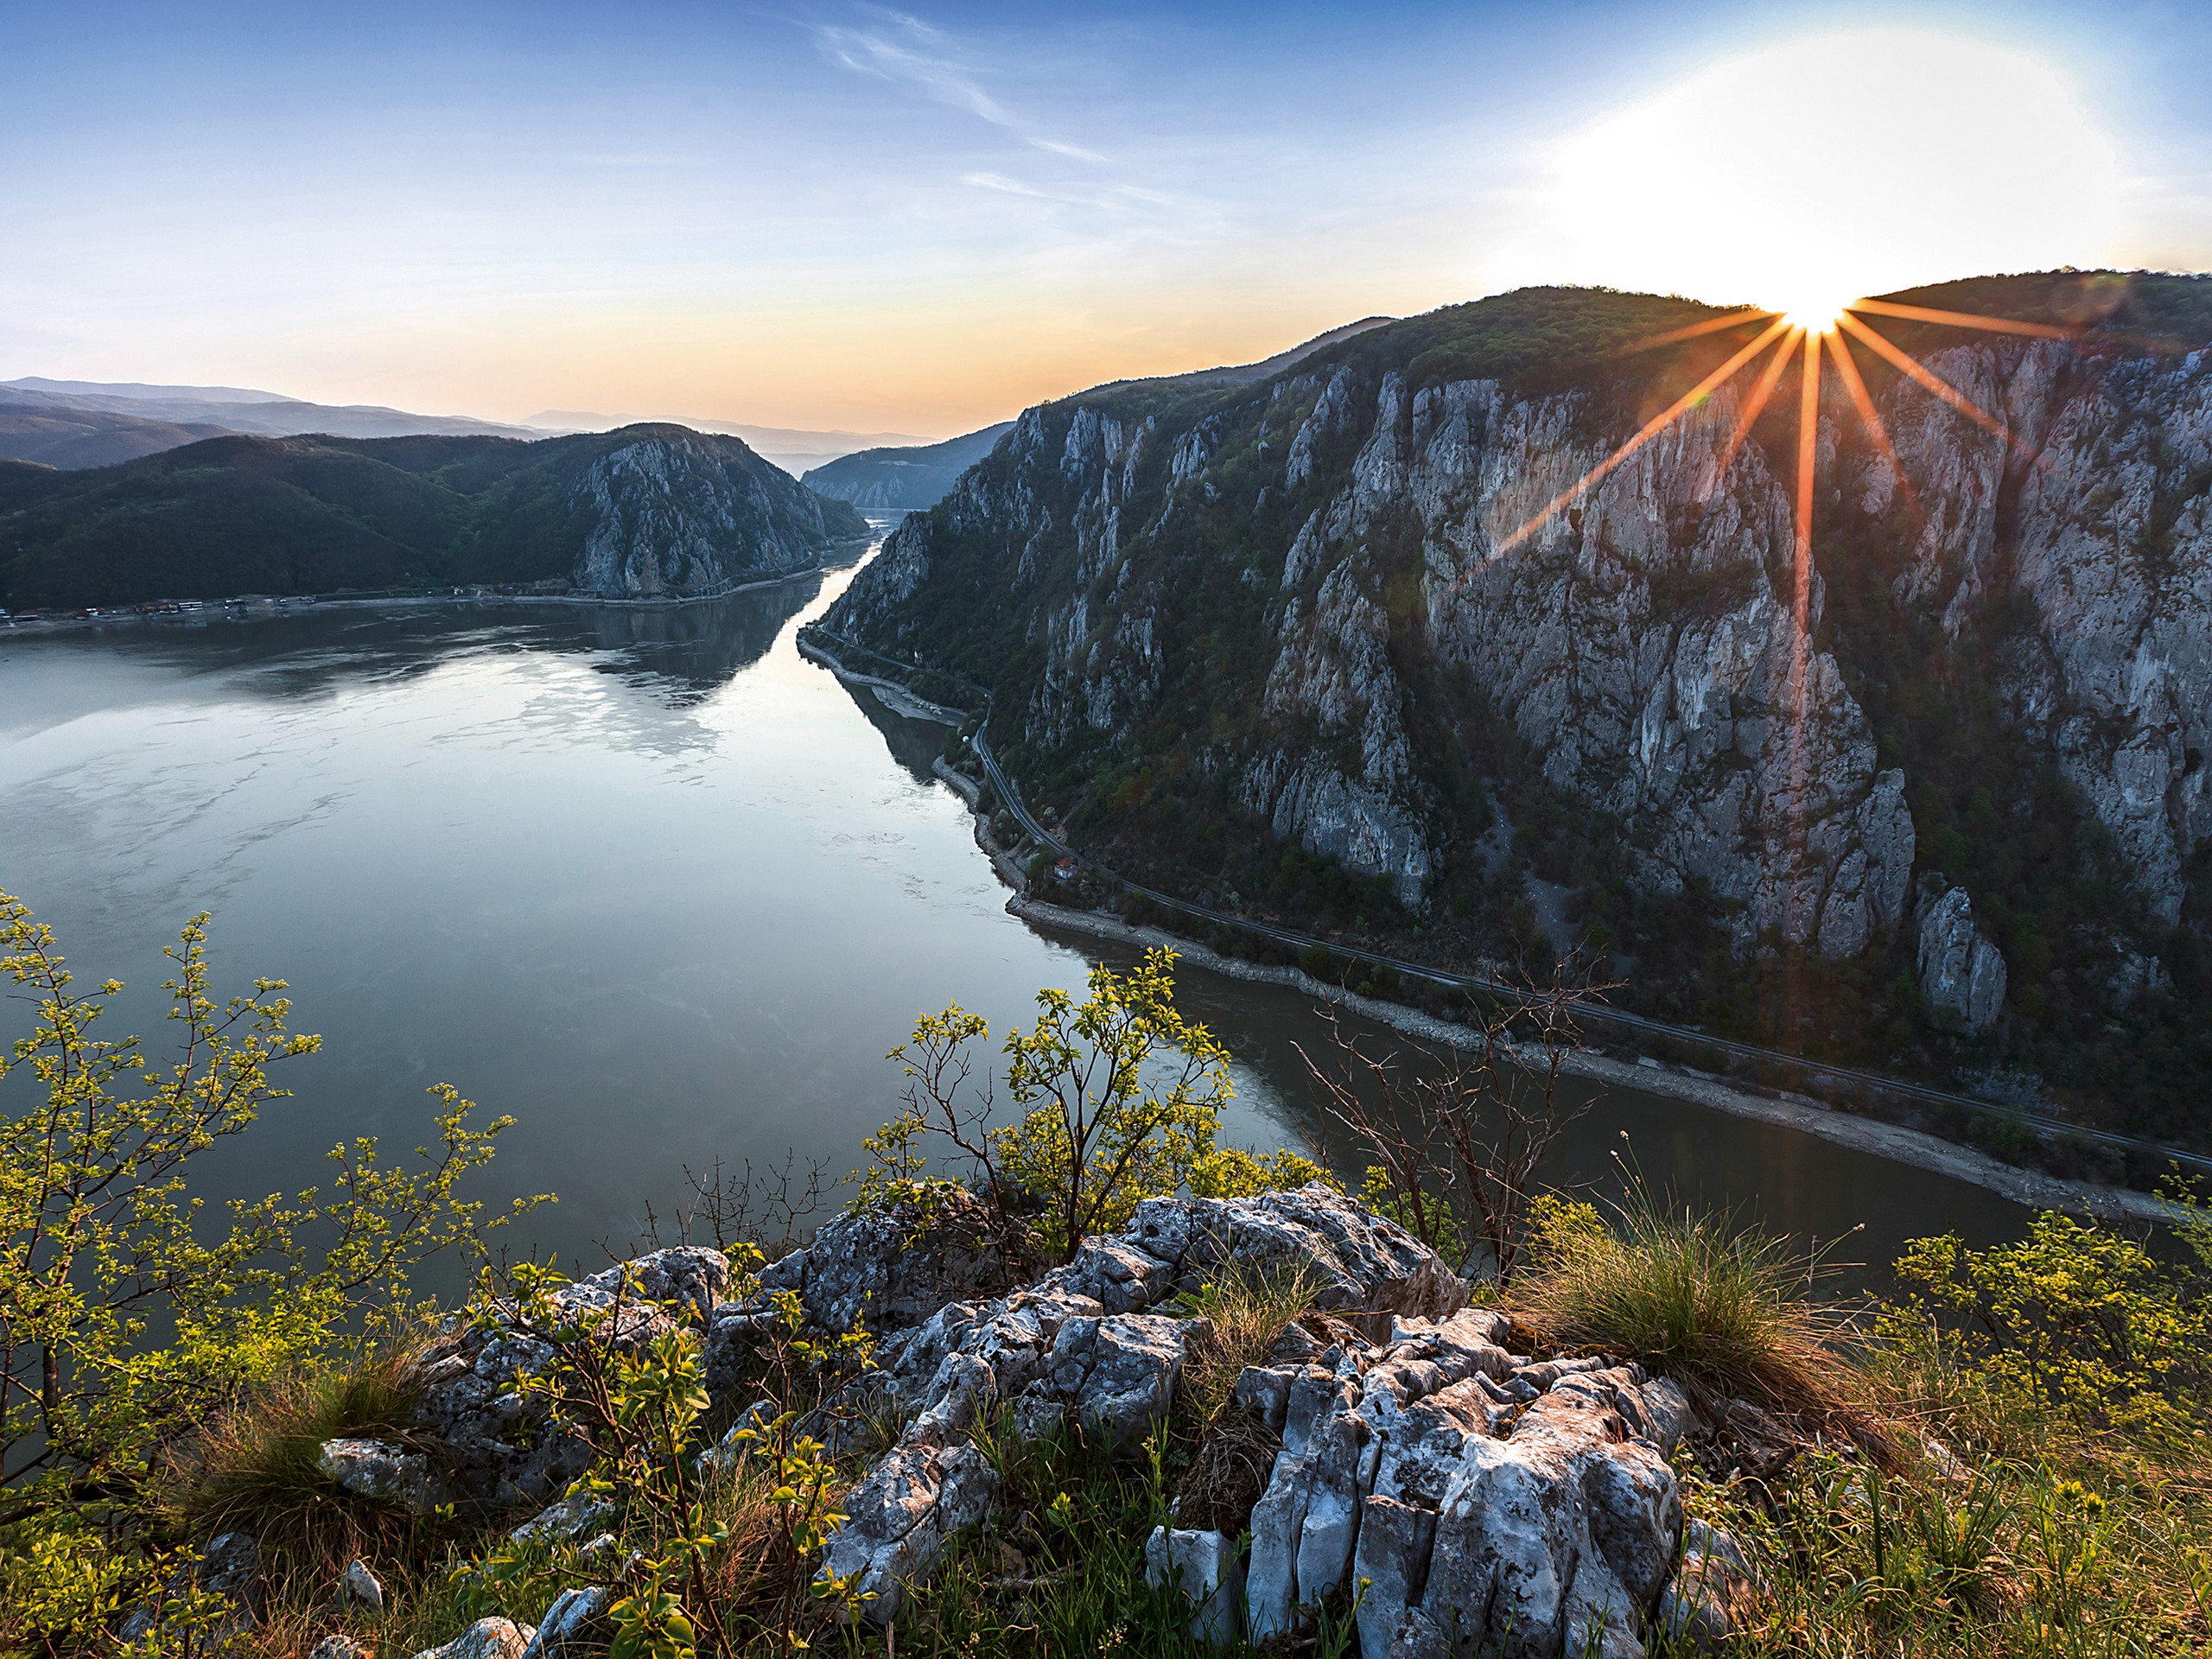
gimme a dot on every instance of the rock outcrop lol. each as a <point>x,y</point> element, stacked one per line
<point>1455,1495</point>
<point>1083,1342</point>
<point>1961,973</point>
<point>1480,1499</point>
<point>492,1446</point>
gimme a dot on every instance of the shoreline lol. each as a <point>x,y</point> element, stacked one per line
<point>1914,1147</point>
<point>276,605</point>
<point>900,701</point>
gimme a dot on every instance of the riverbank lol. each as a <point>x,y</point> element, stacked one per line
<point>1808,1117</point>
<point>900,701</point>
<point>263,608</point>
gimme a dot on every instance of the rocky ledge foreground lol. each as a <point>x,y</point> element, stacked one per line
<point>1452,1496</point>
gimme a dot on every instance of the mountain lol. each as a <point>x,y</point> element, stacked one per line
<point>95,424</point>
<point>792,449</point>
<point>1269,643</point>
<point>54,435</point>
<point>644,512</point>
<point>888,480</point>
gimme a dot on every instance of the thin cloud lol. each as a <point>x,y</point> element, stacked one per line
<point>905,48</point>
<point>1118,196</point>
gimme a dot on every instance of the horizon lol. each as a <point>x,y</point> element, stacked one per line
<point>879,222</point>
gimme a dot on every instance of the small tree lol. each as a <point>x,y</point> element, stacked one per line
<point>1120,1096</point>
<point>127,1314</point>
<point>1457,1135</point>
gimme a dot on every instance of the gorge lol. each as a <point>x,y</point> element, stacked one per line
<point>1274,646</point>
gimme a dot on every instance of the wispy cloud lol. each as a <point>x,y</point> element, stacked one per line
<point>1117,196</point>
<point>899,46</point>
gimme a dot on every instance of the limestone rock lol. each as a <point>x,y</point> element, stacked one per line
<point>1080,1343</point>
<point>490,1436</point>
<point>359,1585</point>
<point>1204,1567</point>
<point>924,1490</point>
<point>891,1271</point>
<point>1704,1604</point>
<point>381,1470</point>
<point>565,1621</point>
<point>1522,1527</point>
<point>339,1645</point>
<point>1961,973</point>
<point>487,1638</point>
<point>576,1515</point>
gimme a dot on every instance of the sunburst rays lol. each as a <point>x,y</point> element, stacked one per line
<point>1804,339</point>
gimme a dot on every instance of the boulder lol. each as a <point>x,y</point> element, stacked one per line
<point>577,1515</point>
<point>1205,1568</point>
<point>1703,1606</point>
<point>385,1472</point>
<point>487,1638</point>
<point>358,1586</point>
<point>231,1569</point>
<point>339,1645</point>
<point>565,1621</point>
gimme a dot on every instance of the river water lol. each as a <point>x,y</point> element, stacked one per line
<point>645,879</point>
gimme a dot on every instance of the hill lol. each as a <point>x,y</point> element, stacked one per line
<point>644,512</point>
<point>886,480</point>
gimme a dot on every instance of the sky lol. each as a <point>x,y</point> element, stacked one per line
<point>923,219</point>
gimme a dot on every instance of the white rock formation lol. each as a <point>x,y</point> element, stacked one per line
<point>1961,973</point>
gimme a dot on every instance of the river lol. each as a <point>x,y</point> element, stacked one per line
<point>646,880</point>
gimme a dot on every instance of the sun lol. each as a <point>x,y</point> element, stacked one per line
<point>1813,313</point>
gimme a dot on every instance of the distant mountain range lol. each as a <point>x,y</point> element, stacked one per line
<point>73,423</point>
<point>892,479</point>
<point>642,512</point>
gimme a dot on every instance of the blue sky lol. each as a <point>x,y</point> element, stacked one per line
<point>922,218</point>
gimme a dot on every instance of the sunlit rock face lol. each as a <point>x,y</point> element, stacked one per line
<point>1310,591</point>
<point>2106,535</point>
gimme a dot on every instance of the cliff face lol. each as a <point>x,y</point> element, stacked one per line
<point>1302,593</point>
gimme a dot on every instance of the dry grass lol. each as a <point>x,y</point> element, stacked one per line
<point>1720,1309</point>
<point>256,1468</point>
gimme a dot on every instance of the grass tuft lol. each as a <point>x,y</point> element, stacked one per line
<point>1245,1310</point>
<point>1719,1307</point>
<point>257,1467</point>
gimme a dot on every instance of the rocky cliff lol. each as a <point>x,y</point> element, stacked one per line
<point>1299,605</point>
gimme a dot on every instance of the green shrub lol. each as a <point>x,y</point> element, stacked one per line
<point>1120,1098</point>
<point>2075,1319</point>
